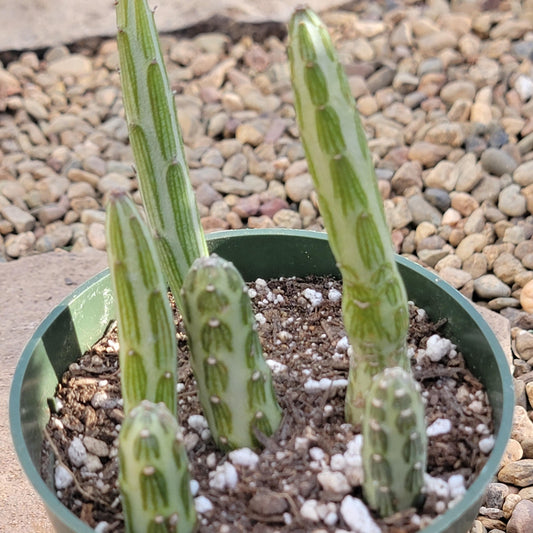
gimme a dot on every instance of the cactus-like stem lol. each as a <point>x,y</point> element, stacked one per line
<point>234,381</point>
<point>374,305</point>
<point>157,143</point>
<point>145,325</point>
<point>153,472</point>
<point>394,442</point>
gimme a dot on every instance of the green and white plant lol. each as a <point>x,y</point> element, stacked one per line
<point>226,355</point>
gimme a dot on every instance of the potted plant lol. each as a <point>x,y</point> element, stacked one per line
<point>374,303</point>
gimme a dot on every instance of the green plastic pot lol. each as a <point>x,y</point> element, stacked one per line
<point>81,319</point>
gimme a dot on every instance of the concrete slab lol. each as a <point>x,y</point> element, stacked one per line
<point>32,24</point>
<point>29,289</point>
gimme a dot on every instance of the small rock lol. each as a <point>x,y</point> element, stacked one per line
<point>526,297</point>
<point>334,483</point>
<point>513,452</point>
<point>422,210</point>
<point>355,514</point>
<point>455,90</point>
<point>71,65</point>
<point>266,503</point>
<point>96,446</point>
<point>523,175</point>
<point>522,426</point>
<point>511,202</point>
<point>489,286</point>
<point>428,154</point>
<point>299,187</point>
<point>497,162</point>
<point>522,517</point>
<point>495,495</point>
<point>287,218</point>
<point>96,236</point>
<point>21,220</point>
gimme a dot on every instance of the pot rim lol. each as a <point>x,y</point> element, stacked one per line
<point>53,504</point>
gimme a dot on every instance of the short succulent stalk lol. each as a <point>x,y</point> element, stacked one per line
<point>375,308</point>
<point>146,328</point>
<point>153,472</point>
<point>394,442</point>
<point>157,144</point>
<point>234,381</point>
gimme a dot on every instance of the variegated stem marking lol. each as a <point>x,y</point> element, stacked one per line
<point>374,299</point>
<point>153,473</point>
<point>234,381</point>
<point>157,143</point>
<point>145,325</point>
<point>394,443</point>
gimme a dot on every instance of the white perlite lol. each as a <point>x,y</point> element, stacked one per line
<point>313,297</point>
<point>244,457</point>
<point>203,504</point>
<point>437,348</point>
<point>224,477</point>
<point>334,295</point>
<point>333,482</point>
<point>486,444</point>
<point>312,385</point>
<point>275,366</point>
<point>441,426</point>
<point>77,452</point>
<point>357,517</point>
<point>62,477</point>
<point>197,422</point>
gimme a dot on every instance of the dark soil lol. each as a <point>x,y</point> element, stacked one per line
<point>269,497</point>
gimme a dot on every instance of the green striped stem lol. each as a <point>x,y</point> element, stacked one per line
<point>153,473</point>
<point>145,325</point>
<point>234,381</point>
<point>375,307</point>
<point>157,143</point>
<point>394,443</point>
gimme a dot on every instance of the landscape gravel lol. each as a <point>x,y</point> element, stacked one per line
<point>445,90</point>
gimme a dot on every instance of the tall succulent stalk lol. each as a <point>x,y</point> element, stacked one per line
<point>394,442</point>
<point>157,143</point>
<point>234,381</point>
<point>374,305</point>
<point>153,475</point>
<point>145,325</point>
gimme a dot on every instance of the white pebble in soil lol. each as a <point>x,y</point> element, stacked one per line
<point>313,297</point>
<point>197,422</point>
<point>203,505</point>
<point>441,426</point>
<point>312,385</point>
<point>438,347</point>
<point>356,515</point>
<point>224,477</point>
<point>334,295</point>
<point>62,478</point>
<point>77,452</point>
<point>486,444</point>
<point>244,457</point>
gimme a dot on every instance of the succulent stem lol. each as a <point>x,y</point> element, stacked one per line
<point>157,144</point>
<point>153,475</point>
<point>374,305</point>
<point>145,325</point>
<point>234,381</point>
<point>394,442</point>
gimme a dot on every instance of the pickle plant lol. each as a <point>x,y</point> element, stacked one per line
<point>226,355</point>
<point>374,303</point>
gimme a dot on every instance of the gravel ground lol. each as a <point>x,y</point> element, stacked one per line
<point>445,92</point>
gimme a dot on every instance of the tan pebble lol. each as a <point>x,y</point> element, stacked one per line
<point>526,297</point>
<point>522,518</point>
<point>513,452</point>
<point>522,425</point>
<point>509,504</point>
<point>519,473</point>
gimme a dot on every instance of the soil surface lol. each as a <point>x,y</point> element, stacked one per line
<point>303,343</point>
